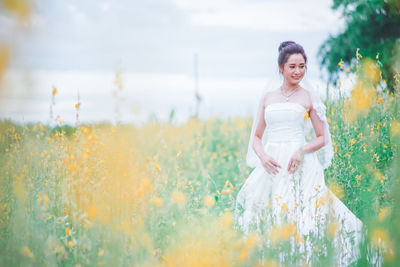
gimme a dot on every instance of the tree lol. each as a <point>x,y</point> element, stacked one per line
<point>373,26</point>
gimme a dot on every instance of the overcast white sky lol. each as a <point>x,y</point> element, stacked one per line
<point>78,45</point>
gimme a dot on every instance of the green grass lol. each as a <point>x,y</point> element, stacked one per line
<point>164,194</point>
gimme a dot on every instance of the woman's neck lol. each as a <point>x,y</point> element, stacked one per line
<point>287,87</point>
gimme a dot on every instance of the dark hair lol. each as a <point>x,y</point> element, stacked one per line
<point>288,48</point>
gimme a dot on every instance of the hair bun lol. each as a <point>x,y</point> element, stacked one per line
<point>285,44</point>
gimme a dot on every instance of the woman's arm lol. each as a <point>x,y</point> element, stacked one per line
<point>319,141</point>
<point>314,145</point>
<point>260,128</point>
<point>269,164</point>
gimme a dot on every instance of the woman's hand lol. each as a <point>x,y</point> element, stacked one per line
<point>270,165</point>
<point>295,161</point>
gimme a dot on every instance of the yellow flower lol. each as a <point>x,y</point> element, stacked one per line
<point>284,207</point>
<point>332,228</point>
<point>227,219</point>
<point>46,199</point>
<point>358,55</point>
<point>72,167</point>
<point>287,231</point>
<point>248,246</point>
<point>352,142</point>
<point>298,238</point>
<point>70,244</point>
<point>92,211</point>
<point>77,105</point>
<point>101,253</point>
<point>209,201</point>
<point>379,100</point>
<point>378,175</point>
<point>68,231</point>
<point>157,201</point>
<point>27,252</point>
<point>39,199</point>
<point>226,191</point>
<point>371,71</point>
<point>306,116</point>
<point>379,235</point>
<point>240,124</point>
<point>226,183</point>
<point>54,92</point>
<point>232,187</point>
<point>362,98</point>
<point>340,64</point>
<point>178,197</point>
<point>20,8</point>
<point>282,232</point>
<point>157,167</point>
<point>320,202</point>
<point>337,190</point>
<point>383,213</point>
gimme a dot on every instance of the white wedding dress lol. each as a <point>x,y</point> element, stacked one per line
<point>301,198</point>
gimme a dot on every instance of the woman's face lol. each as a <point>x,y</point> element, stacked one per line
<point>294,69</point>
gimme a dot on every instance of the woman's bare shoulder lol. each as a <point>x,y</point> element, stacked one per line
<point>270,95</point>
<point>306,97</point>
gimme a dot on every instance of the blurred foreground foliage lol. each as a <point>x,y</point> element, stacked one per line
<point>164,194</point>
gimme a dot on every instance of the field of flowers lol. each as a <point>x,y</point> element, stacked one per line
<point>163,194</point>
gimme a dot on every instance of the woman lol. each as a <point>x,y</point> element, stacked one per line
<point>287,184</point>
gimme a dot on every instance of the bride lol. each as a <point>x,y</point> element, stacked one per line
<point>287,184</point>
